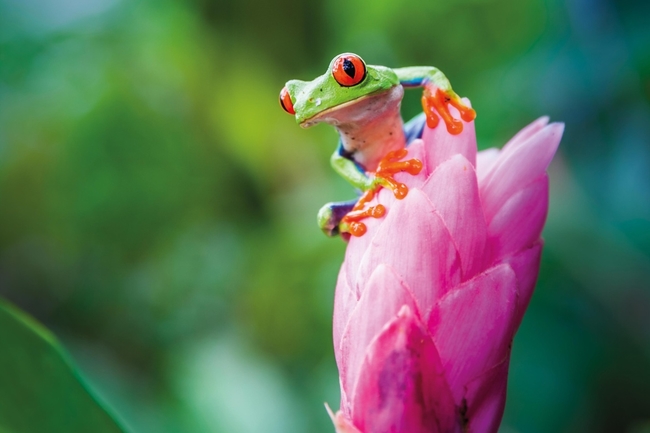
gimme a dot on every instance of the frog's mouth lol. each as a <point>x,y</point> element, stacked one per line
<point>359,110</point>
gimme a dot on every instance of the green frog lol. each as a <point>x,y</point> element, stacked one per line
<point>363,103</point>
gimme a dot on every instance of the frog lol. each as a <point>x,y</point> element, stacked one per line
<point>362,102</point>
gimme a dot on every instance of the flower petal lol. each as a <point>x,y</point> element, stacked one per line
<point>414,241</point>
<point>346,406</point>
<point>358,246</point>
<point>518,168</point>
<point>402,386</point>
<point>381,300</point>
<point>453,190</point>
<point>519,222</point>
<point>527,132</point>
<point>485,160</point>
<point>344,302</point>
<point>486,398</point>
<point>472,326</point>
<point>440,145</point>
<point>526,267</point>
<point>341,423</point>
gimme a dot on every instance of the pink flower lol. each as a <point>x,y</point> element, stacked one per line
<point>429,299</point>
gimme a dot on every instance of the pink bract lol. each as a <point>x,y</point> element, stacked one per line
<point>429,299</point>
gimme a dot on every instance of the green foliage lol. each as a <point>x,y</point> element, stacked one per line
<point>40,388</point>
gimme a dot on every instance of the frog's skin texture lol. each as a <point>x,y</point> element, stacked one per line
<point>363,103</point>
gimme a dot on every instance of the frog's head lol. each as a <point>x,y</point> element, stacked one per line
<point>347,82</point>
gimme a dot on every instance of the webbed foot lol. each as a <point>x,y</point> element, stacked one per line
<point>383,177</point>
<point>391,164</point>
<point>435,103</point>
<point>351,223</point>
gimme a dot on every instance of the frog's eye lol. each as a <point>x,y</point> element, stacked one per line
<point>285,101</point>
<point>349,70</point>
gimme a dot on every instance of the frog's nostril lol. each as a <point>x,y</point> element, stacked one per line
<point>285,101</point>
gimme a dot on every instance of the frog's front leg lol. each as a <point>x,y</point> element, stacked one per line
<point>332,220</point>
<point>390,164</point>
<point>350,170</point>
<point>437,96</point>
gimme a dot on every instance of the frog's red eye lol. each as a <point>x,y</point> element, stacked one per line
<point>285,101</point>
<point>349,70</point>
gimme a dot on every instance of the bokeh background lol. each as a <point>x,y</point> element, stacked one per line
<point>157,207</point>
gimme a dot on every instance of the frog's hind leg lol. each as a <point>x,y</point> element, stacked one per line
<point>330,216</point>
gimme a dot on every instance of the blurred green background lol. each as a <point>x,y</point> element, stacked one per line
<point>157,207</point>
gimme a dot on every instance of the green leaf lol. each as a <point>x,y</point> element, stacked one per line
<point>41,391</point>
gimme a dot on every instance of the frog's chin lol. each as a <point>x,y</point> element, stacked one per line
<point>329,115</point>
<point>358,110</point>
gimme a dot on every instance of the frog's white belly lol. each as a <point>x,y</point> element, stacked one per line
<point>370,126</point>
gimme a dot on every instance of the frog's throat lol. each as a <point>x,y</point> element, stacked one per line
<point>324,115</point>
<point>369,127</point>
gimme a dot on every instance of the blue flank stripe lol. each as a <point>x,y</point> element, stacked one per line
<point>415,82</point>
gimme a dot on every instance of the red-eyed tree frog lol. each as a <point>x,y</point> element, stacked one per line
<point>363,103</point>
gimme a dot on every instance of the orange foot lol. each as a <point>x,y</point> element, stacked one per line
<point>386,169</point>
<point>435,102</point>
